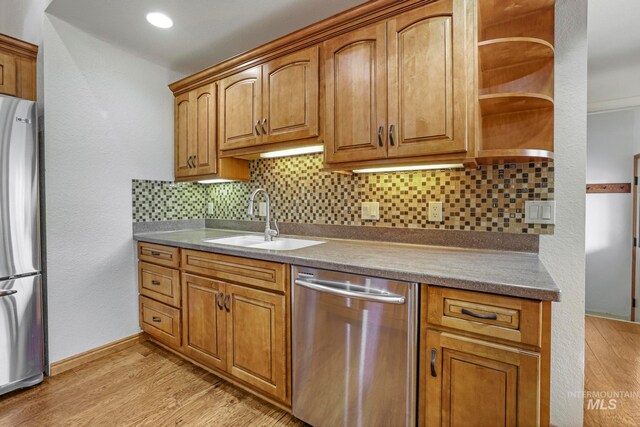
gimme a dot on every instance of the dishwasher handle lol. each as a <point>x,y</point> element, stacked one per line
<point>388,298</point>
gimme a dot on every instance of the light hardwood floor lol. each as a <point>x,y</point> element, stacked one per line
<point>143,385</point>
<point>612,363</point>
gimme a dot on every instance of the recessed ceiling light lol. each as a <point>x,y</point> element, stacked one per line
<point>160,20</point>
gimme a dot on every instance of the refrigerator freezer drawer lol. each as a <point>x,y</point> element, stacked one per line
<point>21,333</point>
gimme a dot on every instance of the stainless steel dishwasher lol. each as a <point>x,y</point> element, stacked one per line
<point>354,349</point>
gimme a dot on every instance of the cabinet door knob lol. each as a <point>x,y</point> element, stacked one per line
<point>226,303</point>
<point>380,130</point>
<point>264,130</point>
<point>433,362</point>
<point>220,297</point>
<point>391,141</point>
<point>257,128</point>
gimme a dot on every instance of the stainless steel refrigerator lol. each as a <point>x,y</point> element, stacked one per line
<point>21,301</point>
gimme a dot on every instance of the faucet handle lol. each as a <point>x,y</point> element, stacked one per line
<point>277,230</point>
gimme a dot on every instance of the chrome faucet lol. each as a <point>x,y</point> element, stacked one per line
<point>269,234</point>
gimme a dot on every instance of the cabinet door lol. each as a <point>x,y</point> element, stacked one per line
<point>204,320</point>
<point>427,96</point>
<point>8,84</point>
<point>256,340</point>
<point>240,114</point>
<point>476,383</point>
<point>183,135</point>
<point>356,95</point>
<point>290,100</point>
<point>204,146</point>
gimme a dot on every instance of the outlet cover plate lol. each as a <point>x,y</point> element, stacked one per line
<point>262,208</point>
<point>435,211</point>
<point>370,211</point>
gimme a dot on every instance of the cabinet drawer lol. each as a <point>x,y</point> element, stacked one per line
<point>507,318</point>
<point>159,283</point>
<point>160,321</point>
<point>261,274</point>
<point>159,254</point>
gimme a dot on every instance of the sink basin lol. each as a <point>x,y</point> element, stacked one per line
<point>258,242</point>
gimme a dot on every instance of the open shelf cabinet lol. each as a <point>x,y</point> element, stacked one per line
<point>515,94</point>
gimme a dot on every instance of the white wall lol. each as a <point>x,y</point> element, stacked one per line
<point>563,252</point>
<point>109,119</point>
<point>611,144</point>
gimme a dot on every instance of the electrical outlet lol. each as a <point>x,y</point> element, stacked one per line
<point>210,208</point>
<point>262,208</point>
<point>435,211</point>
<point>370,211</point>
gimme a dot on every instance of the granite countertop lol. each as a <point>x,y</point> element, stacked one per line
<point>500,272</point>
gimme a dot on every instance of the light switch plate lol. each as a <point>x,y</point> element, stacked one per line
<point>370,211</point>
<point>540,212</point>
<point>435,211</point>
<point>262,209</point>
<point>210,208</point>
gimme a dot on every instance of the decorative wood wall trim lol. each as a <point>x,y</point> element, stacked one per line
<point>96,353</point>
<point>17,46</point>
<point>341,23</point>
<point>622,187</point>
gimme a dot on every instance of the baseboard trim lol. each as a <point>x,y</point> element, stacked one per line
<point>96,353</point>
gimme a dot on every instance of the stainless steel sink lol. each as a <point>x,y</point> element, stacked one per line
<point>258,242</point>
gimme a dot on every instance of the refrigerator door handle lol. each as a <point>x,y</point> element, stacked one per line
<point>4,293</point>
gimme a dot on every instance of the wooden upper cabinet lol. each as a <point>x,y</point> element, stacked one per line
<point>240,115</point>
<point>17,68</point>
<point>273,103</point>
<point>7,74</point>
<point>256,340</point>
<point>476,383</point>
<point>204,320</point>
<point>290,96</point>
<point>195,132</point>
<point>204,147</point>
<point>183,135</point>
<point>356,95</point>
<point>426,55</point>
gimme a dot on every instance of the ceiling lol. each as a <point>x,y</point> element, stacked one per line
<point>614,33</point>
<point>205,32</point>
<point>614,49</point>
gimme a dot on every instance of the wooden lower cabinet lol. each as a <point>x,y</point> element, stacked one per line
<point>477,383</point>
<point>204,320</point>
<point>256,339</point>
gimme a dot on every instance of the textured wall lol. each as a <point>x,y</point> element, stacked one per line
<point>563,253</point>
<point>109,119</point>
<point>490,198</point>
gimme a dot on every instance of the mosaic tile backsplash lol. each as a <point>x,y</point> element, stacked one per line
<point>165,201</point>
<point>489,198</point>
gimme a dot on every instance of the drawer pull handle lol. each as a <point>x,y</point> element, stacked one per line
<point>156,319</point>
<point>433,362</point>
<point>226,303</point>
<point>155,282</point>
<point>220,297</point>
<point>491,316</point>
<point>153,253</point>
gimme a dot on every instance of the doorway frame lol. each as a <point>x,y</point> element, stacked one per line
<point>634,242</point>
